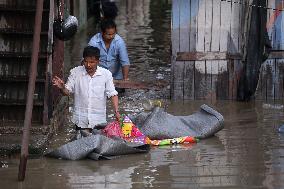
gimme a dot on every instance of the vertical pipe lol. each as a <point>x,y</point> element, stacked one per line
<point>47,88</point>
<point>58,57</point>
<point>31,88</point>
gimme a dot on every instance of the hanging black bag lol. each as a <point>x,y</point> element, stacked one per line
<point>65,29</point>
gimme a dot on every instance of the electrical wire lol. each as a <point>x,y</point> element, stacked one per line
<point>257,6</point>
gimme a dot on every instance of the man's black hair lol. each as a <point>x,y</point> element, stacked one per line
<point>107,24</point>
<point>90,51</point>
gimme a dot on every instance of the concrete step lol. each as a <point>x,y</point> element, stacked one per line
<point>10,144</point>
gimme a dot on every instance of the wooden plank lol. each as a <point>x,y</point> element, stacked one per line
<point>175,27</point>
<point>260,91</point>
<point>215,46</point>
<point>188,90</point>
<point>193,25</point>
<point>178,80</point>
<point>188,78</point>
<point>173,59</point>
<point>225,25</point>
<point>281,78</point>
<point>279,38</point>
<point>279,83</point>
<point>209,90</point>
<point>263,94</point>
<point>175,42</point>
<point>234,73</point>
<point>184,25</point>
<point>270,74</point>
<point>238,70</point>
<point>208,25</point>
<point>199,70</point>
<point>271,16</point>
<point>200,81</point>
<point>235,28</point>
<point>232,84</point>
<point>200,47</point>
<point>139,84</point>
<point>214,79</point>
<point>276,54</point>
<point>191,56</point>
<point>223,81</point>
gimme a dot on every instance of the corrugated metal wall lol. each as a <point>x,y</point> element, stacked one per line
<point>16,36</point>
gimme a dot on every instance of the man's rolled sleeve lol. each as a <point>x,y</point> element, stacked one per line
<point>70,84</point>
<point>110,89</point>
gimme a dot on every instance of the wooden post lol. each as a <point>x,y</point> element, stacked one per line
<point>31,88</point>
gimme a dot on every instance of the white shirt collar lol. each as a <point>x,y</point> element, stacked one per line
<point>97,73</point>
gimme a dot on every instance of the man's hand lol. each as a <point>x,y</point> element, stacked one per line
<point>125,71</point>
<point>56,81</point>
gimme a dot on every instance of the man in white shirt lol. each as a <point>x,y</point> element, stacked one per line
<point>91,85</point>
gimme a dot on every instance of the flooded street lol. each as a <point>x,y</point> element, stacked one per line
<point>247,153</point>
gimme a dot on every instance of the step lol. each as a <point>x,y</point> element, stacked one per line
<point>10,144</point>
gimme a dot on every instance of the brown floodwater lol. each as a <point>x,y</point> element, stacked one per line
<point>247,153</point>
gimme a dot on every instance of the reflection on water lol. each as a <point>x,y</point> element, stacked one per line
<point>145,27</point>
<point>247,153</point>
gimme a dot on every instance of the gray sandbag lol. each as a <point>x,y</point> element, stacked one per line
<point>161,125</point>
<point>97,147</point>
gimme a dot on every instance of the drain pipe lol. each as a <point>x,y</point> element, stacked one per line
<point>30,94</point>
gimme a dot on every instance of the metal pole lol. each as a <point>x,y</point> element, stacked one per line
<point>30,94</point>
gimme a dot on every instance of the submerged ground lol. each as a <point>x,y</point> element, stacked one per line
<point>247,153</point>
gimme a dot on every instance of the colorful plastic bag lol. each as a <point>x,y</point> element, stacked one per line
<point>113,130</point>
<point>126,130</point>
<point>179,140</point>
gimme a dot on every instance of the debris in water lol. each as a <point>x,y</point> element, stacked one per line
<point>273,106</point>
<point>4,164</point>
